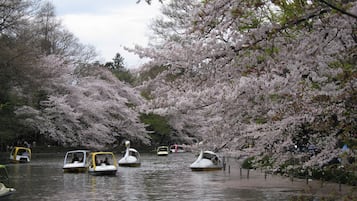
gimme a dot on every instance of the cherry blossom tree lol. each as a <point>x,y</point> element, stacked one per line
<point>250,74</point>
<point>86,106</point>
<point>50,89</point>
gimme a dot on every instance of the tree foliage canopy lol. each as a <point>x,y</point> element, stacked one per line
<point>246,76</point>
<point>50,89</point>
<point>263,73</point>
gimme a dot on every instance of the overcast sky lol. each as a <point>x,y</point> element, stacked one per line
<point>109,25</point>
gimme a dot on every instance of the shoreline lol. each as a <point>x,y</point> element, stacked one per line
<point>300,189</point>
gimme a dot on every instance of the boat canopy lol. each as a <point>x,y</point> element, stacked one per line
<point>163,148</point>
<point>76,156</point>
<point>21,151</point>
<point>133,152</point>
<point>98,158</point>
<point>209,155</point>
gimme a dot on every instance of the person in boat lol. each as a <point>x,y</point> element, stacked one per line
<point>25,153</point>
<point>75,158</point>
<point>106,161</point>
<point>215,160</point>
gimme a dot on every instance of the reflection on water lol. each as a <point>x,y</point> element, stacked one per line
<point>158,178</point>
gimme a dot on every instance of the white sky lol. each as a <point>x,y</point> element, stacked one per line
<point>109,25</point>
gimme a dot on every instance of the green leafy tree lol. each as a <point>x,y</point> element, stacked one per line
<point>117,63</point>
<point>118,69</point>
<point>158,126</point>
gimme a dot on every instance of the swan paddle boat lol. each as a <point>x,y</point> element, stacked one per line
<point>20,155</point>
<point>163,151</point>
<point>75,161</point>
<point>177,148</point>
<point>207,160</point>
<point>5,191</point>
<point>131,157</point>
<point>4,179</point>
<point>102,163</point>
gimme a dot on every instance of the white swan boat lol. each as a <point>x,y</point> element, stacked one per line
<point>5,191</point>
<point>4,178</point>
<point>207,160</point>
<point>131,157</point>
<point>75,161</point>
<point>20,155</point>
<point>102,163</point>
<point>162,151</point>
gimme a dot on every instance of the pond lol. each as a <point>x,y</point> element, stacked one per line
<point>158,178</point>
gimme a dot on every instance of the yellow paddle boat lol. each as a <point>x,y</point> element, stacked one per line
<point>20,155</point>
<point>102,163</point>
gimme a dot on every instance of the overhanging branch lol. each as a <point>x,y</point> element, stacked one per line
<point>338,9</point>
<point>289,24</point>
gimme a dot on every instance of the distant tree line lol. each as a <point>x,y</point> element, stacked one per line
<point>53,90</point>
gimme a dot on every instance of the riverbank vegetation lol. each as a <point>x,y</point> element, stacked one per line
<point>271,80</point>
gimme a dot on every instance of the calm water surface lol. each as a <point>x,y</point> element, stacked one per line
<point>158,178</point>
